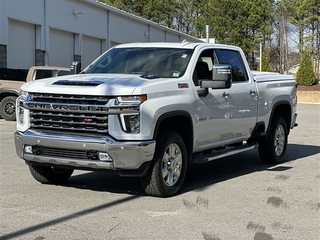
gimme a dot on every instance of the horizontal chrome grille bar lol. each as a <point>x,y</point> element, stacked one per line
<point>76,108</point>
<point>68,122</point>
<point>73,115</point>
<point>54,152</point>
<point>68,127</point>
<point>59,98</point>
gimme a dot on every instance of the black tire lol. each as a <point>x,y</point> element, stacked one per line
<point>168,167</point>
<point>50,175</point>
<point>8,108</point>
<point>274,148</point>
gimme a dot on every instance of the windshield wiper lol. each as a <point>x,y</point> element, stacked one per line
<point>149,76</point>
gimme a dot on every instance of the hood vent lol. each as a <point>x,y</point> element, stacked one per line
<point>77,83</point>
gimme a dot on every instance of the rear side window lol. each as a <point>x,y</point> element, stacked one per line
<point>234,59</point>
<point>63,73</point>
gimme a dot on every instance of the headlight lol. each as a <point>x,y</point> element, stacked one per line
<point>132,99</point>
<point>130,122</point>
<point>23,93</point>
<point>22,115</point>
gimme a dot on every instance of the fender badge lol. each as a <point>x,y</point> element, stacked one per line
<point>183,85</point>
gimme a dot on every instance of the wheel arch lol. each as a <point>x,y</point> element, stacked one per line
<point>283,109</point>
<point>6,92</point>
<point>179,121</point>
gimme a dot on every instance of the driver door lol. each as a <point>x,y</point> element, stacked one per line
<point>212,110</point>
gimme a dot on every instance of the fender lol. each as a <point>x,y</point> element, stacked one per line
<point>4,92</point>
<point>167,115</point>
<point>285,104</point>
<point>185,132</point>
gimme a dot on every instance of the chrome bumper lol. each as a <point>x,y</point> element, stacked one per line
<point>124,155</point>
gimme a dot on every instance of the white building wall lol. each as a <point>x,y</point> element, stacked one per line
<point>21,44</point>
<point>91,49</point>
<point>124,31</point>
<point>156,35</point>
<point>61,47</point>
<point>67,30</point>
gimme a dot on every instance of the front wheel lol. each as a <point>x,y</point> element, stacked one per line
<point>274,148</point>
<point>168,168</point>
<point>50,175</point>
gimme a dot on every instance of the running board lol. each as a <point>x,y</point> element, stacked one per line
<point>223,153</point>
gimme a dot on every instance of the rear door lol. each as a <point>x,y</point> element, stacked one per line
<point>243,96</point>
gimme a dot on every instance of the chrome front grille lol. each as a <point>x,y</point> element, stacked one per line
<point>76,113</point>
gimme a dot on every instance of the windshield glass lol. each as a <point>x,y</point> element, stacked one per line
<point>146,62</point>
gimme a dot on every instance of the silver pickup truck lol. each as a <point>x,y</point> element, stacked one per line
<point>150,110</point>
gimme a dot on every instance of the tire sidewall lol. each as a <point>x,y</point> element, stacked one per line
<point>50,175</point>
<point>280,121</point>
<point>4,115</point>
<point>153,183</point>
<point>170,190</point>
<point>267,149</point>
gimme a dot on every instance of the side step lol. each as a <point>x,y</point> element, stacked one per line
<point>228,151</point>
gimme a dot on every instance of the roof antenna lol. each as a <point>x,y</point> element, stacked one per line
<point>184,42</point>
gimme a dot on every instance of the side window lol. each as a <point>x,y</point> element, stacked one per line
<point>233,58</point>
<point>203,69</point>
<point>43,74</point>
<point>63,73</point>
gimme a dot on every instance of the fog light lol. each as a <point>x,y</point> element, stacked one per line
<point>28,149</point>
<point>104,157</point>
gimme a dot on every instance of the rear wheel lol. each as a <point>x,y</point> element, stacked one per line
<point>169,166</point>
<point>8,108</point>
<point>50,175</point>
<point>274,148</point>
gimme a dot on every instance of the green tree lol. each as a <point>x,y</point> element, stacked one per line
<point>239,22</point>
<point>305,16</point>
<point>159,11</point>
<point>296,16</point>
<point>305,74</point>
<point>190,17</point>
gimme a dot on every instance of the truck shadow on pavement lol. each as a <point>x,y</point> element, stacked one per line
<point>199,176</point>
<point>204,175</point>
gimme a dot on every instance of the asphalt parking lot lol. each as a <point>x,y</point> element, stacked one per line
<point>237,197</point>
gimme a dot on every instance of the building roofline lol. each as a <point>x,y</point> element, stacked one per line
<point>137,18</point>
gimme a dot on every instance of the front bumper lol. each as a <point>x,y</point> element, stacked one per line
<point>75,150</point>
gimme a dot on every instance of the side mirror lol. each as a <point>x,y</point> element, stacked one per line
<point>75,67</point>
<point>221,77</point>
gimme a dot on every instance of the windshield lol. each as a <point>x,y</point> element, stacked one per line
<point>146,62</point>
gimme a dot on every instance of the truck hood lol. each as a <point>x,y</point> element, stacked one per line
<point>88,84</point>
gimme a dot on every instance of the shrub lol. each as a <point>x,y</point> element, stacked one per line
<point>305,74</point>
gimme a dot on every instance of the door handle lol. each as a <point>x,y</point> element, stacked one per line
<point>252,92</point>
<point>225,94</point>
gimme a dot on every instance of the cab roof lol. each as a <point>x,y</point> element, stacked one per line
<point>184,44</point>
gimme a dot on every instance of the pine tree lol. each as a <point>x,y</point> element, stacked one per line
<point>305,74</point>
